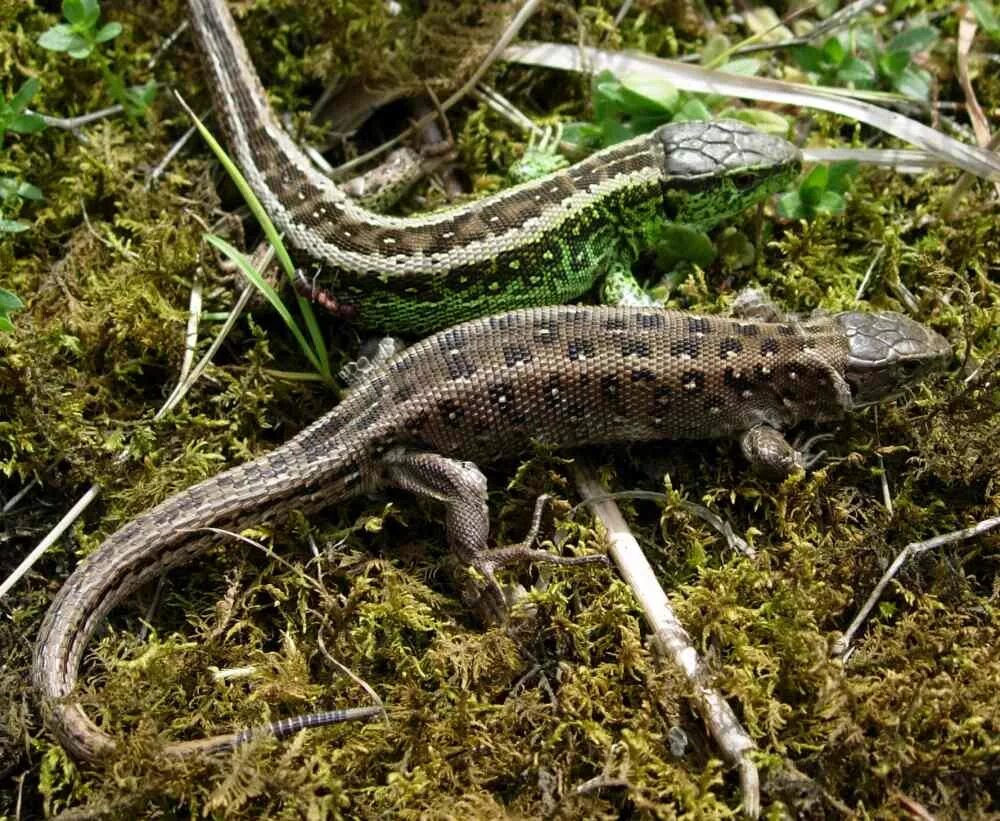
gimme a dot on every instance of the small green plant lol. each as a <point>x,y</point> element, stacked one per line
<point>987,18</point>
<point>8,304</point>
<point>858,59</point>
<point>636,104</point>
<point>14,191</point>
<point>820,192</point>
<point>80,38</point>
<point>314,347</point>
<point>13,116</point>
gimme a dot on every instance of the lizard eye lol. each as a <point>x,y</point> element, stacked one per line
<point>745,179</point>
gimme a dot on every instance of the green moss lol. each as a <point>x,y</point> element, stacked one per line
<point>565,713</point>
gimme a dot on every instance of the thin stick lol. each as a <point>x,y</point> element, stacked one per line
<point>515,25</point>
<point>842,645</point>
<point>50,539</point>
<point>672,640</point>
<point>17,497</point>
<point>74,123</point>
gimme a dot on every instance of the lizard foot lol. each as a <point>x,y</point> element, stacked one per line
<point>322,297</point>
<point>524,552</point>
<point>492,602</point>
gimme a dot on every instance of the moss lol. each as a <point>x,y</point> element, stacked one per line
<point>565,713</point>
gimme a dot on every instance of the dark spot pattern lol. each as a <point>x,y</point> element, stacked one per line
<point>459,365</point>
<point>786,330</point>
<point>580,349</point>
<point>403,392</point>
<point>615,324</point>
<point>730,347</point>
<point>662,398</point>
<point>689,346</point>
<point>451,412</point>
<point>635,347</point>
<point>743,329</point>
<point>698,325</point>
<point>693,381</point>
<point>769,346</point>
<point>736,380</point>
<point>552,391</point>
<point>651,322</point>
<point>516,354</point>
<point>642,375</point>
<point>453,338</point>
<point>611,386</point>
<point>503,399</point>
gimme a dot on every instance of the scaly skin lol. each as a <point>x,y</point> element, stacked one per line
<point>544,242</point>
<point>565,376</point>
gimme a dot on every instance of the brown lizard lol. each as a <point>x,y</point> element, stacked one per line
<point>562,376</point>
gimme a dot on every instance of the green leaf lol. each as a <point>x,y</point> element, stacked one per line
<point>680,242</point>
<point>809,58</point>
<point>9,302</point>
<point>265,288</point>
<point>108,32</point>
<point>317,354</point>
<point>816,179</point>
<point>857,71</point>
<point>693,109</point>
<point>26,124</point>
<point>83,14</point>
<point>769,122</point>
<point>6,324</point>
<point>27,191</point>
<point>790,206</point>
<point>839,175</point>
<point>140,97</point>
<point>914,83</point>
<point>585,135</point>
<point>23,96</point>
<point>81,52</point>
<point>715,46</point>
<point>12,226</point>
<point>834,51</point>
<point>985,16</point>
<point>614,132</point>
<point>605,92</point>
<point>64,38</point>
<point>829,203</point>
<point>892,63</point>
<point>914,40</point>
<point>641,93</point>
<point>10,187</point>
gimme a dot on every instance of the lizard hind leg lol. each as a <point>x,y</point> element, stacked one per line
<point>461,488</point>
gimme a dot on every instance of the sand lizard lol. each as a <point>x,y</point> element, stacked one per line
<point>544,242</point>
<point>563,376</point>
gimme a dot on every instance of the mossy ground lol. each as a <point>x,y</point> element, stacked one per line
<point>515,722</point>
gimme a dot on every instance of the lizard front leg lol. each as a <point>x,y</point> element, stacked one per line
<point>767,450</point>
<point>461,488</point>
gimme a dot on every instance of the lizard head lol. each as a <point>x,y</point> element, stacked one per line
<point>713,170</point>
<point>887,352</point>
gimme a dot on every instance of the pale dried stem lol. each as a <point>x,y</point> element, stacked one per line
<point>842,646</point>
<point>671,640</point>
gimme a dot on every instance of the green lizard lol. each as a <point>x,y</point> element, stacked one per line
<point>543,242</point>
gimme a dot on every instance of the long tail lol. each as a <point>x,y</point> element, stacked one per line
<point>307,472</point>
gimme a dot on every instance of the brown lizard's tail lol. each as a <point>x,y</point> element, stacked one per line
<point>306,473</point>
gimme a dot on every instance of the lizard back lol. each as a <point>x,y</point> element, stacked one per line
<point>569,375</point>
